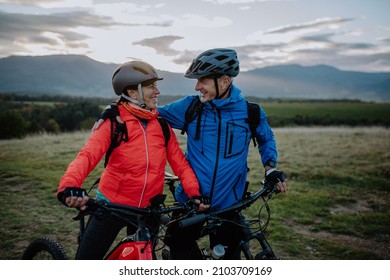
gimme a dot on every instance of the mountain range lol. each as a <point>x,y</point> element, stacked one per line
<point>77,75</point>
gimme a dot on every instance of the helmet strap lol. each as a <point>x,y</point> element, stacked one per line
<point>226,91</point>
<point>135,101</point>
<point>141,94</point>
<point>217,89</point>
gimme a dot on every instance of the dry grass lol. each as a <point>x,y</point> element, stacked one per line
<point>337,205</point>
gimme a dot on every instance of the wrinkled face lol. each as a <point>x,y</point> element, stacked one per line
<point>206,87</point>
<point>150,93</point>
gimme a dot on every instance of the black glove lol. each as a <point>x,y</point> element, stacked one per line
<point>274,176</point>
<point>69,192</point>
<point>203,199</point>
<point>110,112</point>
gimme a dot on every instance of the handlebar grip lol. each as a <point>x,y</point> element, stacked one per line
<point>91,202</point>
<point>192,220</point>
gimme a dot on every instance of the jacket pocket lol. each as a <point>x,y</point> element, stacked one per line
<point>236,139</point>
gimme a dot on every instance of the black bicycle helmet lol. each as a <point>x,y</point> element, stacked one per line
<point>133,73</point>
<point>214,63</point>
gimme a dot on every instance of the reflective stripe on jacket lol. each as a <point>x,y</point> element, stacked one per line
<point>135,171</point>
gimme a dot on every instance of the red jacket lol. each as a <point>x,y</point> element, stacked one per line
<point>135,171</point>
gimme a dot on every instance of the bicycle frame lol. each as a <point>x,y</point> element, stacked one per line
<point>213,221</point>
<point>143,245</point>
<point>134,247</point>
<point>137,246</point>
<point>132,250</point>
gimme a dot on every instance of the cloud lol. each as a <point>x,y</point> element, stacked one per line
<point>248,55</point>
<point>19,30</point>
<point>30,2</point>
<point>222,2</point>
<point>321,22</point>
<point>384,39</point>
<point>284,45</point>
<point>329,44</point>
<point>173,33</point>
<point>322,49</point>
<point>161,44</point>
<point>185,57</point>
<point>354,61</point>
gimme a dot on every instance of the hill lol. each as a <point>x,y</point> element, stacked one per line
<point>316,82</point>
<point>81,76</point>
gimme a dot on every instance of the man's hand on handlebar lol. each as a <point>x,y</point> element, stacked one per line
<point>74,197</point>
<point>202,203</point>
<point>276,177</point>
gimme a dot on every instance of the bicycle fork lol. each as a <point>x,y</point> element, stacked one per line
<point>266,253</point>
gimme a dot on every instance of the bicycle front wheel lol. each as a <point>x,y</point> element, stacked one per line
<point>44,248</point>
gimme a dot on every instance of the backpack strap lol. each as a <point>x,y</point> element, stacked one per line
<point>118,135</point>
<point>194,110</point>
<point>165,129</point>
<point>253,118</point>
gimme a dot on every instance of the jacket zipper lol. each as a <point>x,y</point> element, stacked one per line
<point>217,155</point>
<point>147,163</point>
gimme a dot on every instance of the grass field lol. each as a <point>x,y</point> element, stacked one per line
<point>336,207</point>
<point>327,113</point>
<point>338,110</point>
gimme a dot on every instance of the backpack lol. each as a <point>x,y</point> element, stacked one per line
<point>195,110</point>
<point>119,134</point>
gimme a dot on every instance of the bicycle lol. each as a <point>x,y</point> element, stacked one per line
<point>138,246</point>
<point>145,246</point>
<point>212,221</point>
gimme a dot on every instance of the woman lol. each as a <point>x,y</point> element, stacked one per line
<point>135,170</point>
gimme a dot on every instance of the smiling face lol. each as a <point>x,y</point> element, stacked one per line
<point>206,87</point>
<point>150,93</point>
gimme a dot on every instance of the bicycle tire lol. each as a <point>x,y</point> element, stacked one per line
<point>44,248</point>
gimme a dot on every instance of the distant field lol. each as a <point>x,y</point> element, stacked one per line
<point>327,113</point>
<point>338,110</point>
<point>22,115</point>
<point>337,204</point>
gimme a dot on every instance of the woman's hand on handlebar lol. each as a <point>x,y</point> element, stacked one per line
<point>77,202</point>
<point>74,197</point>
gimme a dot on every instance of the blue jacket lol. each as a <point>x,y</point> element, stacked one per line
<point>219,157</point>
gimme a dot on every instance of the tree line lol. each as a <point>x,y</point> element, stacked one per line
<point>21,115</point>
<point>25,114</point>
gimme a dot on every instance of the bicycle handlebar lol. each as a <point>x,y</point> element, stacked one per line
<point>155,210</point>
<point>240,205</point>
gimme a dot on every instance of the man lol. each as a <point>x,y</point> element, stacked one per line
<point>218,142</point>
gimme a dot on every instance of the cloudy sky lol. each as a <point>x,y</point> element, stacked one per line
<point>347,34</point>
